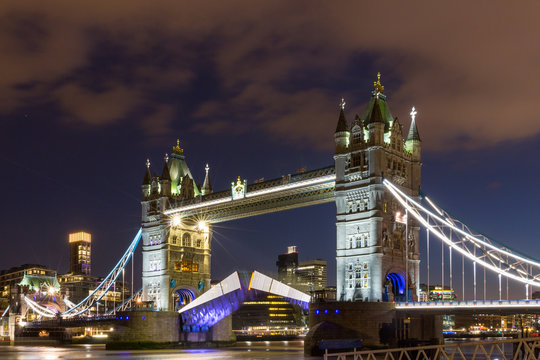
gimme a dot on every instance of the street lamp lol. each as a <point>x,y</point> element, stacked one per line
<point>123,285</point>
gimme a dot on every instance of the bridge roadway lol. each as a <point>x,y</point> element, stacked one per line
<point>498,307</point>
<point>78,321</point>
<point>288,192</point>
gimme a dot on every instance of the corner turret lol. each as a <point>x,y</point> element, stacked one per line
<point>342,134</point>
<point>165,179</point>
<point>206,188</point>
<point>413,143</point>
<point>147,180</point>
<point>376,125</point>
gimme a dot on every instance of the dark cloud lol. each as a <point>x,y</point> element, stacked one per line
<point>96,108</point>
<point>470,69</point>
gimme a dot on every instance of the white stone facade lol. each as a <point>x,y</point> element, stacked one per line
<point>175,250</point>
<point>370,242</point>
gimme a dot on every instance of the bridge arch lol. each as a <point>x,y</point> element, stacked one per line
<point>394,286</point>
<point>183,295</point>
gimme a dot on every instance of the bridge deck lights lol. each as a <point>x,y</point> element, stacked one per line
<point>203,226</point>
<point>176,221</point>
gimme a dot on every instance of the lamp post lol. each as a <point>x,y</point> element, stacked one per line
<point>407,255</point>
<point>123,285</point>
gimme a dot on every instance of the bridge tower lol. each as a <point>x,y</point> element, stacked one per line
<point>374,259</point>
<point>176,250</point>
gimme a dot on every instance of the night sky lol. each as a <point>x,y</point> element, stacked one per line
<point>89,91</point>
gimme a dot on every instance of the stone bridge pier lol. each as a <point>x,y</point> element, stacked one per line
<point>377,324</point>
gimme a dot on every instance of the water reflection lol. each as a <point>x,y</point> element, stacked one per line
<point>286,350</point>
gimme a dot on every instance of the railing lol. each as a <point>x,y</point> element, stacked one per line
<point>71,321</point>
<point>128,303</point>
<point>515,349</point>
<point>286,182</point>
<point>468,304</point>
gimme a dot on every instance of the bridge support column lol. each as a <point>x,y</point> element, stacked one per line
<point>12,326</point>
<point>222,331</point>
<point>375,323</point>
<point>424,327</point>
<point>220,334</point>
<point>142,329</point>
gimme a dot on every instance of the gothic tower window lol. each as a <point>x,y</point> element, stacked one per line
<point>356,160</point>
<point>186,240</point>
<point>350,276</point>
<point>357,138</point>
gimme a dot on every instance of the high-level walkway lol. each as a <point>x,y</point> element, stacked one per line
<point>288,192</point>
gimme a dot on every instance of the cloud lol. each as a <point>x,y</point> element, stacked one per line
<point>157,125</point>
<point>281,67</point>
<point>96,108</point>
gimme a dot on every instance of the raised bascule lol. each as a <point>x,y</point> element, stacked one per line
<point>375,183</point>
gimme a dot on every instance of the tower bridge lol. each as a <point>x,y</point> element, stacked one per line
<point>375,183</point>
<point>372,259</point>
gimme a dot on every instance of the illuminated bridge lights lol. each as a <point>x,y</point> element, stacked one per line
<point>458,236</point>
<point>470,304</point>
<point>87,303</point>
<point>325,311</point>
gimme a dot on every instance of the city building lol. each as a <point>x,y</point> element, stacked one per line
<point>323,295</point>
<point>27,279</point>
<point>287,264</point>
<point>268,316</point>
<point>79,283</point>
<point>311,275</point>
<point>80,253</point>
<point>306,276</point>
<point>377,247</point>
<point>436,293</point>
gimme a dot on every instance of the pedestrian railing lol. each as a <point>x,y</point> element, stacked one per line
<point>512,349</point>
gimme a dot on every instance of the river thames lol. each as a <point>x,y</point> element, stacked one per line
<point>286,350</point>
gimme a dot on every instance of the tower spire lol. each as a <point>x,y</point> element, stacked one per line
<point>165,175</point>
<point>377,86</point>
<point>413,131</point>
<point>147,176</point>
<point>342,122</point>
<point>176,149</point>
<point>206,188</point>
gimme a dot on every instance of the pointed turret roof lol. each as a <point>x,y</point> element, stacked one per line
<point>378,100</point>
<point>147,176</point>
<point>376,115</point>
<point>207,187</point>
<point>178,168</point>
<point>165,175</point>
<point>342,122</point>
<point>413,131</point>
<point>396,125</point>
<point>356,121</point>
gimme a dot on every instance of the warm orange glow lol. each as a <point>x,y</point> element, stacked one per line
<point>80,236</point>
